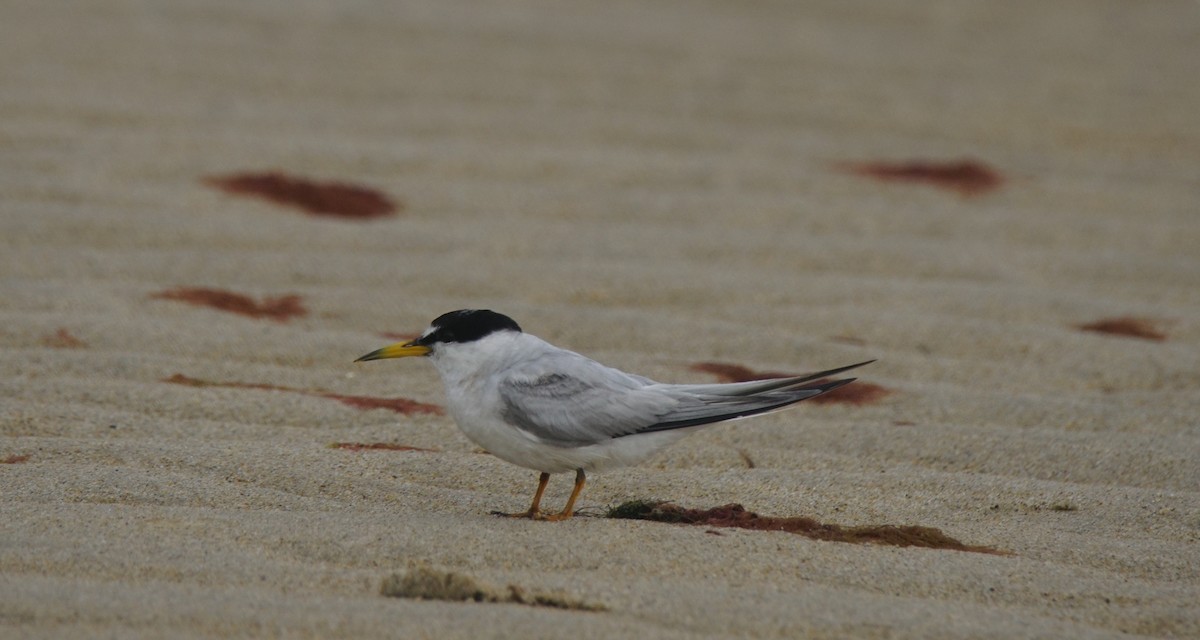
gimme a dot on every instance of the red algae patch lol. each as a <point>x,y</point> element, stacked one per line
<point>1130,327</point>
<point>967,177</point>
<point>858,393</point>
<point>330,199</point>
<point>179,378</point>
<point>363,403</point>
<point>279,309</point>
<point>15,459</point>
<point>736,372</point>
<point>377,446</point>
<point>736,516</point>
<point>63,339</point>
<point>399,405</point>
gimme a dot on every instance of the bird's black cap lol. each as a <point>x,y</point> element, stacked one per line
<point>467,325</point>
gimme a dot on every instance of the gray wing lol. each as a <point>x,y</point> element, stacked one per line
<point>569,400</point>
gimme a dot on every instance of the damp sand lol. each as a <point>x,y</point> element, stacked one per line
<point>209,213</point>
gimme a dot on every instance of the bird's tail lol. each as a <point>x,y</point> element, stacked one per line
<point>720,402</point>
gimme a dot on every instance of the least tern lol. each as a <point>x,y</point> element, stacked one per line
<point>535,405</point>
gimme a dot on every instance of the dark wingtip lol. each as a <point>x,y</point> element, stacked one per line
<point>830,386</point>
<point>831,372</point>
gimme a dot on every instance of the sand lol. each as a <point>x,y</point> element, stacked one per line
<point>996,200</point>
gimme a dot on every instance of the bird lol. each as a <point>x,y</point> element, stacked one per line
<point>551,410</point>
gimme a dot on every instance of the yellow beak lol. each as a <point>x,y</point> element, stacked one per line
<point>398,350</point>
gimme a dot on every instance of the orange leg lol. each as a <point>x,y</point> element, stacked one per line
<point>569,510</point>
<point>534,512</point>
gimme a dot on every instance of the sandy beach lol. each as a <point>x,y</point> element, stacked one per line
<point>210,209</point>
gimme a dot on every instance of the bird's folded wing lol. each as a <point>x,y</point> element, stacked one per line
<point>586,406</point>
<point>574,403</point>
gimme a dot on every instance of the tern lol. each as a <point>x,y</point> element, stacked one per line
<point>551,410</point>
